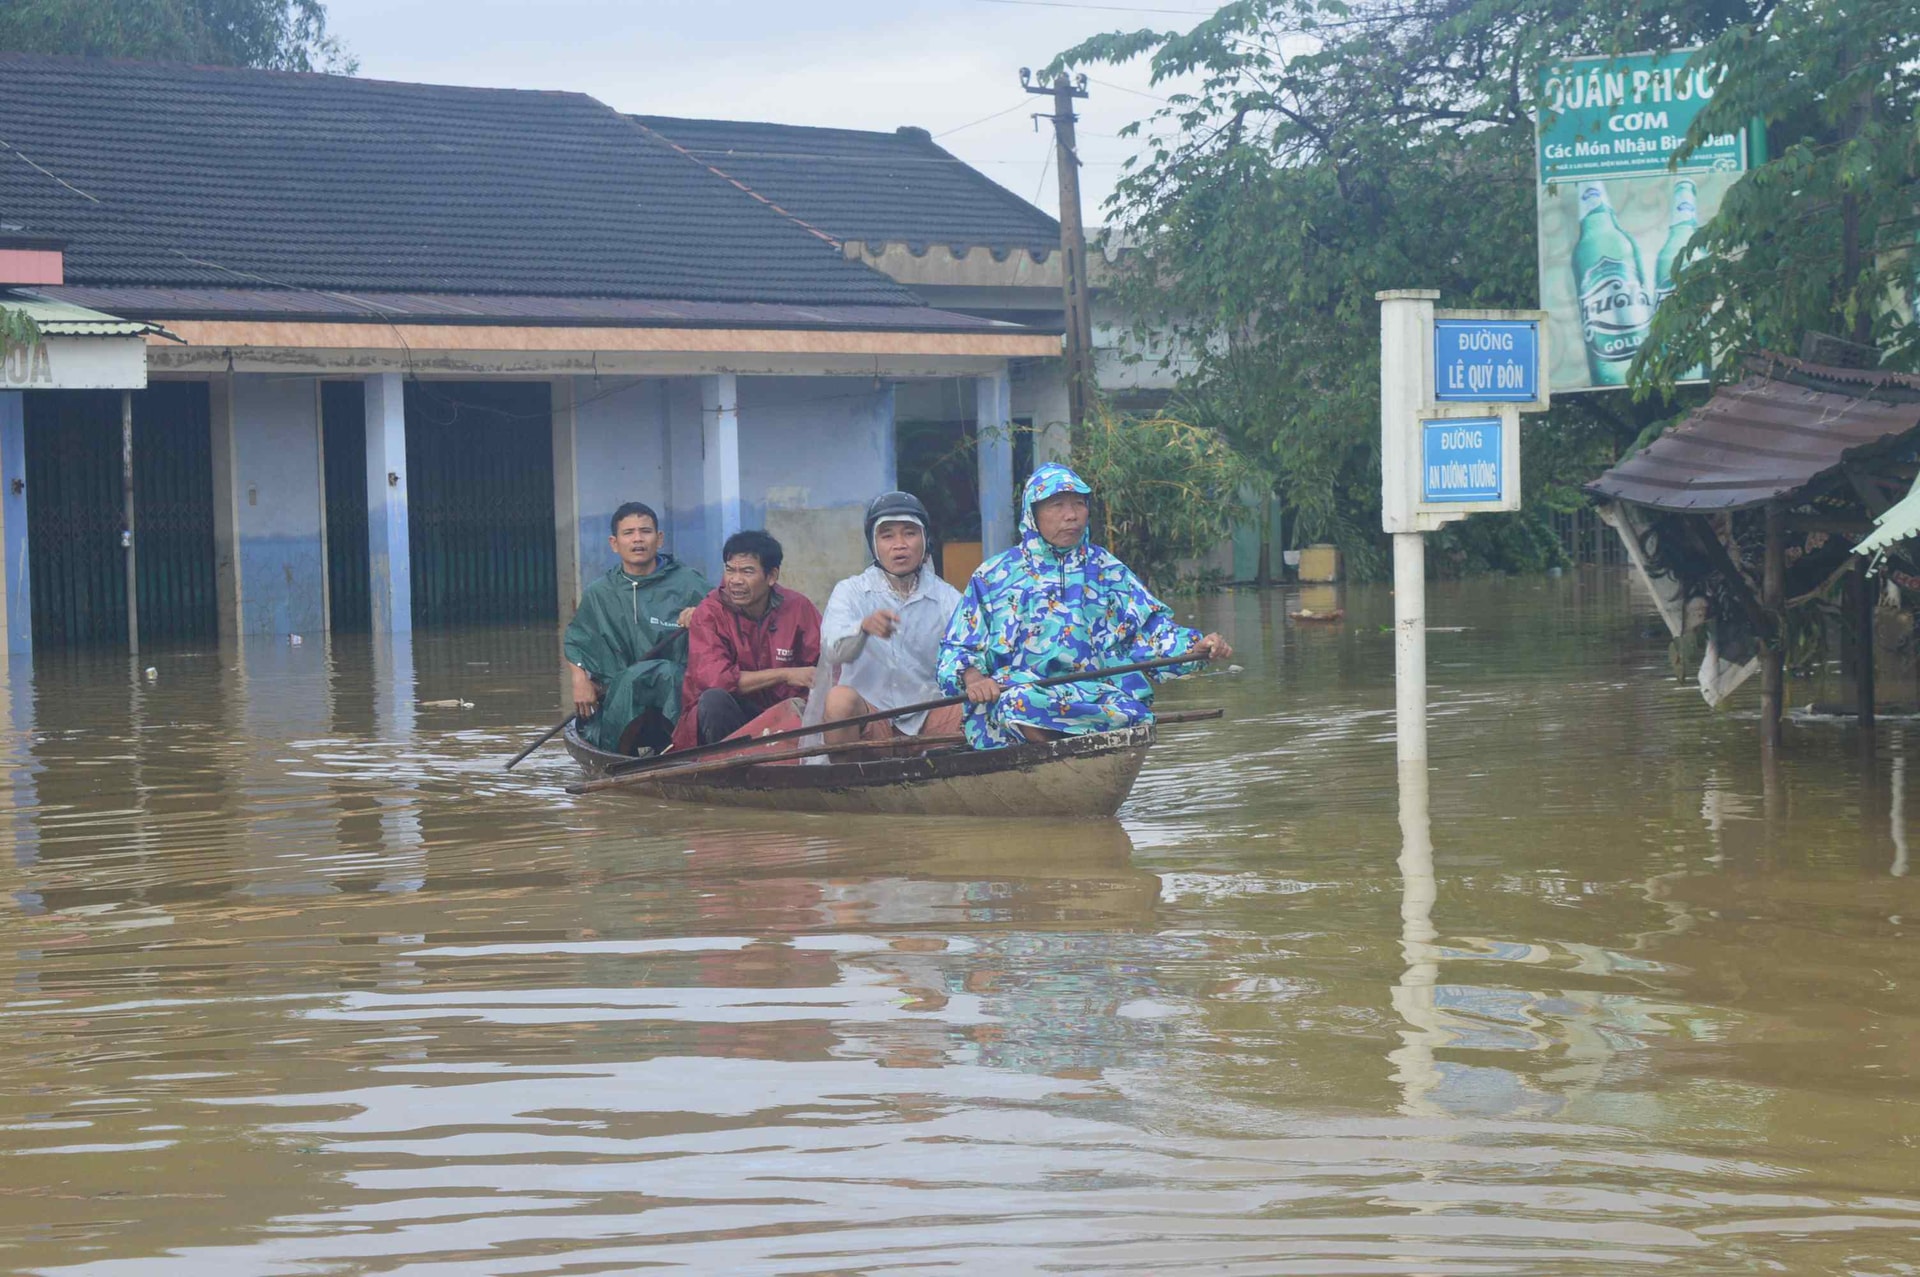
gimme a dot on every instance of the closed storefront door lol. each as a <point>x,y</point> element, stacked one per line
<point>74,506</point>
<point>480,502</point>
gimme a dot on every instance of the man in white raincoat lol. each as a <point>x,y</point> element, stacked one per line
<point>882,629</point>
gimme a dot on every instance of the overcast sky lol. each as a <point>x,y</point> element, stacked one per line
<point>864,64</point>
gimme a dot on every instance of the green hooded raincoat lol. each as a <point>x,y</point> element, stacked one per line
<point>621,619</point>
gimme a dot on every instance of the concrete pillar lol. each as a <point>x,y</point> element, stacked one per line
<point>391,589</point>
<point>720,462</point>
<point>16,634</point>
<point>993,430</point>
<point>278,496</point>
<point>566,497</point>
<point>228,586</point>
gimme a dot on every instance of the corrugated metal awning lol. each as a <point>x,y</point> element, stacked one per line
<point>1753,442</point>
<point>1901,520</point>
<point>64,319</point>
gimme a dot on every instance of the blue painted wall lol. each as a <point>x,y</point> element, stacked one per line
<point>819,442</point>
<point>620,442</point>
<point>13,466</point>
<point>685,459</point>
<point>277,493</point>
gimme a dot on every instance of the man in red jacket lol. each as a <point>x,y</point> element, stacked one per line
<point>750,645</point>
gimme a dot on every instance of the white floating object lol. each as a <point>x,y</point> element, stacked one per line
<point>152,673</point>
<point>1236,669</point>
<point>294,640</point>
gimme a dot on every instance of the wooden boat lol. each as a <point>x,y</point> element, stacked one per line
<point>1078,777</point>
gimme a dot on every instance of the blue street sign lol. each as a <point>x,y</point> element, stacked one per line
<point>1460,459</point>
<point>1486,360</point>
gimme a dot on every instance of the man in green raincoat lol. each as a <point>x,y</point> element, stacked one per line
<point>626,648</point>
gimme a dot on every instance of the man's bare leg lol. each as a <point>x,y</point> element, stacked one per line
<point>843,702</point>
<point>1039,735</point>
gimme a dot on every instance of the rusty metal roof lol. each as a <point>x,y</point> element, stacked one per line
<point>1867,381</point>
<point>1753,442</point>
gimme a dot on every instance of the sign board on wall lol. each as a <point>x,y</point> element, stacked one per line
<point>1462,459</point>
<point>75,363</point>
<point>1615,214</point>
<point>1486,360</point>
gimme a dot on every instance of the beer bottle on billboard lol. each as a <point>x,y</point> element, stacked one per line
<point>1681,225</point>
<point>1611,281</point>
<point>1680,228</point>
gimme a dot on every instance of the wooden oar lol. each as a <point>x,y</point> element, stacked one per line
<point>724,746</point>
<point>653,653</point>
<point>541,739</point>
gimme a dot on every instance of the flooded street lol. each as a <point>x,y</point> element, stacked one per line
<point>298,980</point>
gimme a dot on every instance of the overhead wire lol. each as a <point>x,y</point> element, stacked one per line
<point>982,120</point>
<point>1045,168</point>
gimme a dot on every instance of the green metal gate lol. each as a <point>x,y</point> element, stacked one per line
<point>480,502</point>
<point>343,417</point>
<point>77,565</point>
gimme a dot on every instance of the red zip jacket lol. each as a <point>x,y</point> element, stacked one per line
<point>722,642</point>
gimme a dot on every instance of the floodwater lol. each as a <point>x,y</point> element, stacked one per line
<point>299,981</point>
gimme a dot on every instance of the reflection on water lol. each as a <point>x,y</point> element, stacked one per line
<point>300,981</point>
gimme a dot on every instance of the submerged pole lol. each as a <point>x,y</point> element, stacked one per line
<point>126,517</point>
<point>1773,596</point>
<point>1864,601</point>
<point>1410,648</point>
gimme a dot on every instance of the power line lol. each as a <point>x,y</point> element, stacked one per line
<point>826,157</point>
<point>1044,170</point>
<point>982,120</point>
<point>1121,88</point>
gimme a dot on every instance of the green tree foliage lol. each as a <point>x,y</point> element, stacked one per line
<point>1334,149</point>
<point>1820,238</point>
<point>17,328</point>
<point>287,35</point>
<point>1165,489</point>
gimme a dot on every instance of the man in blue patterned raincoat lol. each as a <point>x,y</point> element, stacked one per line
<point>1053,604</point>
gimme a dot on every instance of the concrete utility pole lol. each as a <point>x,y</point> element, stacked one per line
<point>1073,241</point>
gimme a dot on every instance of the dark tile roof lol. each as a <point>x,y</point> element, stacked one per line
<point>145,301</point>
<point>898,187</point>
<point>175,175</point>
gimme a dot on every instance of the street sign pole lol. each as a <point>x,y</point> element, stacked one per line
<point>1452,387</point>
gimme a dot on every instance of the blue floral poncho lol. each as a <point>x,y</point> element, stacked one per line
<point>1035,611</point>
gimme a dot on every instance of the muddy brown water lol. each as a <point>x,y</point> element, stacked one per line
<point>298,981</point>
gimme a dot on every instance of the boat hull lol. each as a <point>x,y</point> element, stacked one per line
<point>1078,777</point>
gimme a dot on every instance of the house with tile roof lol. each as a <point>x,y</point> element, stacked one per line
<point>420,341</point>
<point>904,205</point>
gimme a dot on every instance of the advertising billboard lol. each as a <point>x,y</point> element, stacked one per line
<point>1615,212</point>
